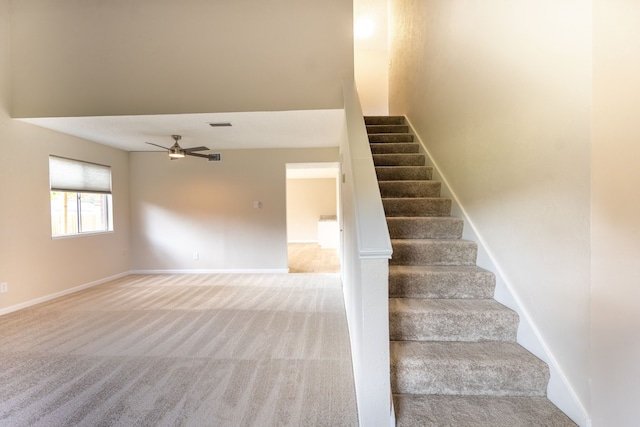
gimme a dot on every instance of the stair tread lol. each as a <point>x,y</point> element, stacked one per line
<point>472,411</point>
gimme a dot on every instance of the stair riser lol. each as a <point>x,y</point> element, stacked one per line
<point>453,326</point>
<point>433,252</point>
<point>384,120</point>
<point>373,129</point>
<point>398,147</point>
<point>490,379</point>
<point>394,173</point>
<point>441,285</point>
<point>419,207</point>
<point>390,137</point>
<point>409,188</point>
<point>445,227</point>
<point>398,159</point>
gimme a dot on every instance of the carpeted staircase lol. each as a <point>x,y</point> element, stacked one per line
<point>454,358</point>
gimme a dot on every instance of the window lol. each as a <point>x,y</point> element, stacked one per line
<point>80,197</point>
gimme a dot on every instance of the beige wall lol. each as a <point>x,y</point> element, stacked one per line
<point>187,206</point>
<point>500,92</point>
<point>33,264</point>
<point>615,222</point>
<point>371,57</point>
<point>307,199</point>
<point>92,57</point>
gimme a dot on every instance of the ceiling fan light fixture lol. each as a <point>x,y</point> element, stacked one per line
<point>176,152</point>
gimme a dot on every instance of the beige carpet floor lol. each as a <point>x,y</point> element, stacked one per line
<point>182,350</point>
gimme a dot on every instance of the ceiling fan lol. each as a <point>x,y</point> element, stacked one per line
<point>177,152</point>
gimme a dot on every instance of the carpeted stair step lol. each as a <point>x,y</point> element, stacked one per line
<point>488,368</point>
<point>399,159</point>
<point>392,173</point>
<point>432,281</point>
<point>371,129</point>
<point>419,319</point>
<point>473,411</point>
<point>428,227</point>
<point>394,147</point>
<point>414,188</point>
<point>433,252</point>
<point>390,137</point>
<point>417,206</point>
<point>384,120</point>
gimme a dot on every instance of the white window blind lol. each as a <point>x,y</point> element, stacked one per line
<point>77,176</point>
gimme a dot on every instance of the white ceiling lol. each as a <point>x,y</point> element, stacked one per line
<point>272,129</point>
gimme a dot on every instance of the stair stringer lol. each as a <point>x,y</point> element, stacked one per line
<point>559,389</point>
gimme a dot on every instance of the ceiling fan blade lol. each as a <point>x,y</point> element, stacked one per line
<point>151,143</point>
<point>201,148</point>
<point>188,153</point>
<point>213,157</point>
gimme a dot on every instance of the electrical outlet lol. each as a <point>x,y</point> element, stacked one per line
<point>196,255</point>
<point>4,287</point>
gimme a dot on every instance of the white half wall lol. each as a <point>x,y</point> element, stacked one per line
<point>500,93</point>
<point>189,206</point>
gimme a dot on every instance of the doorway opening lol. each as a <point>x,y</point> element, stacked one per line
<point>313,217</point>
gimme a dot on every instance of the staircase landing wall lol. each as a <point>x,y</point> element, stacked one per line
<point>500,94</point>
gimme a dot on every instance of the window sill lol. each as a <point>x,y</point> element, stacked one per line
<point>90,233</point>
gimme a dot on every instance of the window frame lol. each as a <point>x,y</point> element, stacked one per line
<point>75,193</point>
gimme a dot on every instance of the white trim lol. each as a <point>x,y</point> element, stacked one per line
<point>559,391</point>
<point>46,298</point>
<point>215,271</point>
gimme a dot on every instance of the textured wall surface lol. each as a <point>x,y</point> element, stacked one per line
<point>615,226</point>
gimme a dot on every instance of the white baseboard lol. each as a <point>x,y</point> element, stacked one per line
<point>216,271</point>
<point>46,298</point>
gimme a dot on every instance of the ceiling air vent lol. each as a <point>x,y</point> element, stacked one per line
<point>215,157</point>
